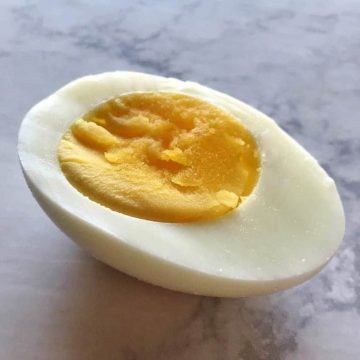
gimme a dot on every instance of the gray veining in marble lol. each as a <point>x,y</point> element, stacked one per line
<point>297,61</point>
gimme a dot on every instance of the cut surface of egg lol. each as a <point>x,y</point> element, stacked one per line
<point>180,185</point>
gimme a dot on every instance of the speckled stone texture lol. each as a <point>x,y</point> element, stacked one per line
<point>297,61</point>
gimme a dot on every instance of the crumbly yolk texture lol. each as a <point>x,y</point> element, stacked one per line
<point>161,156</point>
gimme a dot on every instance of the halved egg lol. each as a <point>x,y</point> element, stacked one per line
<point>180,185</point>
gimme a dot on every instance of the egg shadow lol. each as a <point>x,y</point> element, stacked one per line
<point>106,314</point>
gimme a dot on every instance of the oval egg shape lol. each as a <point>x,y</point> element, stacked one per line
<point>283,233</point>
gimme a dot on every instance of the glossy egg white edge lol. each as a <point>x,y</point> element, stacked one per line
<point>281,235</point>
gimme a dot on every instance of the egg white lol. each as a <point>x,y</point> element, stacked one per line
<point>282,234</point>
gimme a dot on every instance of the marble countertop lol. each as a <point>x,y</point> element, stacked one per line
<point>297,61</point>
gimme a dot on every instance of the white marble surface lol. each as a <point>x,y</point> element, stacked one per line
<point>297,61</point>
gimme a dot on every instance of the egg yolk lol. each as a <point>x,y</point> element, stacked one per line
<point>161,156</point>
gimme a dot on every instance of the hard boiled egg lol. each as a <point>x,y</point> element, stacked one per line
<point>180,185</point>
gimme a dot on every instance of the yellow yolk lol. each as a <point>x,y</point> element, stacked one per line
<point>161,156</point>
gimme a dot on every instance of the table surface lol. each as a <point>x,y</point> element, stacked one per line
<point>297,61</point>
